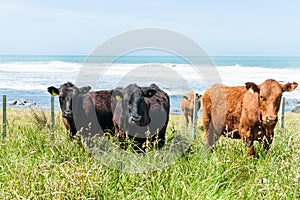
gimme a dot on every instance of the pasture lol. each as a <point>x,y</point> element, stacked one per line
<point>38,164</point>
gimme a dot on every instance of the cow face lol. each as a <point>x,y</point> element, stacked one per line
<point>190,101</point>
<point>131,102</point>
<point>270,98</point>
<point>67,92</point>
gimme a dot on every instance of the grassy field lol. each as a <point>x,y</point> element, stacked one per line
<point>38,164</point>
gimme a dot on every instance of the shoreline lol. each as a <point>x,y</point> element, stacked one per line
<point>290,105</point>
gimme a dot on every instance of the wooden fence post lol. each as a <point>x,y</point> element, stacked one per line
<point>282,109</point>
<point>195,116</point>
<point>52,113</point>
<point>4,117</point>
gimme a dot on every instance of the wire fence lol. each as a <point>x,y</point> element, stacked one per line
<point>195,117</point>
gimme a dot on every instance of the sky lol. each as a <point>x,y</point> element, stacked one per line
<point>221,28</point>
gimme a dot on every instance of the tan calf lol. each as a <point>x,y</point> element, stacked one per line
<point>187,105</point>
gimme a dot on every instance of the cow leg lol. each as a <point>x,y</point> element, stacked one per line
<point>268,139</point>
<point>162,137</point>
<point>186,119</point>
<point>121,139</point>
<point>210,137</point>
<point>139,145</point>
<point>248,140</point>
<point>72,128</point>
<point>192,117</point>
<point>120,135</point>
<point>66,124</point>
<point>159,138</point>
<point>210,132</point>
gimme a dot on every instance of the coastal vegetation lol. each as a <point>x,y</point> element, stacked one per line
<point>37,163</point>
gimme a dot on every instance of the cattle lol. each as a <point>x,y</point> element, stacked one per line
<point>250,123</point>
<point>84,111</point>
<point>223,105</point>
<point>142,114</point>
<point>187,105</point>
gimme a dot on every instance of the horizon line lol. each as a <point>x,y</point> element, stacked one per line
<point>81,55</point>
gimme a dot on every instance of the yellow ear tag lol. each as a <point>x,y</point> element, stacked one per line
<point>251,90</point>
<point>118,97</point>
<point>54,94</point>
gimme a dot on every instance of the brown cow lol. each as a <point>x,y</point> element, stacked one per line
<point>250,123</point>
<point>82,110</point>
<point>187,105</point>
<point>222,110</point>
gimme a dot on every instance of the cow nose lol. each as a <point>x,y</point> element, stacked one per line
<point>67,113</point>
<point>135,118</point>
<point>271,118</point>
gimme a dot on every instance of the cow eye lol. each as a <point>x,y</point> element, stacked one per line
<point>262,97</point>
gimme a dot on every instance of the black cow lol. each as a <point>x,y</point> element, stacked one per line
<point>84,111</point>
<point>141,113</point>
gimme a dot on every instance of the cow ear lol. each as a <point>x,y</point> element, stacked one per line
<point>84,90</point>
<point>117,94</point>
<point>251,87</point>
<point>149,93</point>
<point>53,91</point>
<point>288,87</point>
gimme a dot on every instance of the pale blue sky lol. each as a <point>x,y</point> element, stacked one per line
<point>258,27</point>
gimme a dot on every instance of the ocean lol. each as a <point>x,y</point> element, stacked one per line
<point>26,78</point>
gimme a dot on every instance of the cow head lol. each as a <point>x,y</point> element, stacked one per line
<point>190,100</point>
<point>131,102</point>
<point>251,101</point>
<point>67,92</point>
<point>270,98</point>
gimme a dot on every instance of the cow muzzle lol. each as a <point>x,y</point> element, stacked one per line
<point>135,119</point>
<point>67,113</point>
<point>270,119</point>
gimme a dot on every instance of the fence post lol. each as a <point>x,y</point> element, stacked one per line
<point>195,116</point>
<point>282,109</point>
<point>52,113</point>
<point>4,117</point>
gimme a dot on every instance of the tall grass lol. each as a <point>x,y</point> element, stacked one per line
<point>38,164</point>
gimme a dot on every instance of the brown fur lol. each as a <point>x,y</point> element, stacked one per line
<point>222,110</point>
<point>102,101</point>
<point>187,105</point>
<point>249,128</point>
<point>159,106</point>
<point>90,112</point>
<point>66,124</point>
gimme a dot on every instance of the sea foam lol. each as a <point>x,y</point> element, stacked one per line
<point>22,79</point>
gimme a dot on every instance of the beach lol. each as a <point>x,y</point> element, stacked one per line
<point>26,78</point>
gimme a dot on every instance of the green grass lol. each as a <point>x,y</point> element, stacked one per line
<point>38,164</point>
